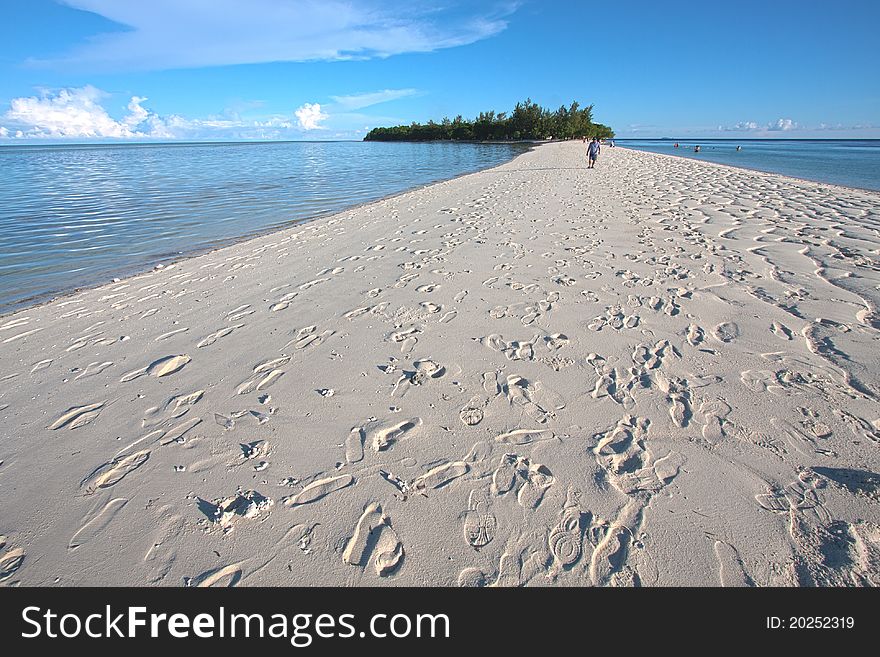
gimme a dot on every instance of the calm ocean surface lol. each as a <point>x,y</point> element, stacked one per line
<point>850,162</point>
<point>72,216</point>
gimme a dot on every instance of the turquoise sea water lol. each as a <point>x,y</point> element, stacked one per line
<point>72,216</point>
<point>849,162</point>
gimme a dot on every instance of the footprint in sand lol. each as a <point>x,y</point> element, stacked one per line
<point>93,369</point>
<point>479,523</point>
<point>313,283</point>
<point>382,435</point>
<point>799,499</point>
<point>354,446</point>
<point>565,540</point>
<point>491,384</point>
<point>536,402</point>
<point>473,578</point>
<point>731,571</point>
<point>111,473</point>
<point>43,364</point>
<point>308,338</point>
<point>265,375</point>
<point>610,555</point>
<point>556,341</point>
<point>712,414</point>
<point>726,332</point>
<point>169,334</point>
<point>21,335</point>
<point>162,367</point>
<point>622,453</point>
<point>215,577</point>
<point>357,312</point>
<point>244,504</point>
<point>78,416</point>
<point>472,412</point>
<point>97,524</point>
<point>529,480</point>
<point>406,338</point>
<point>318,490</point>
<point>514,350</point>
<point>439,476</point>
<point>174,408</point>
<point>283,303</point>
<point>695,335</point>
<point>524,436</point>
<point>222,333</point>
<point>374,537</point>
<point>781,331</point>
<point>260,382</point>
<point>423,372</point>
<point>10,560</point>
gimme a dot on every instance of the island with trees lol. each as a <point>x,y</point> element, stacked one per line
<point>527,122</point>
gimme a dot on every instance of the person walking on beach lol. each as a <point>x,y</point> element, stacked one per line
<point>593,152</point>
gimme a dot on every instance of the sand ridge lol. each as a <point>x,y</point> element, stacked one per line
<point>656,372</point>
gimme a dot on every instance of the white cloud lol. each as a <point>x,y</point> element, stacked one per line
<point>68,113</point>
<point>164,34</point>
<point>754,126</point>
<point>310,116</point>
<point>783,125</point>
<point>86,113</point>
<point>78,113</point>
<point>138,113</point>
<point>841,127</point>
<point>359,101</point>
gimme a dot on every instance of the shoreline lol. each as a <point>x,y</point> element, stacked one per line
<point>33,302</point>
<point>763,171</point>
<point>532,374</point>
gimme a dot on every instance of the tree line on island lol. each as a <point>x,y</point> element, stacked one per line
<point>527,121</point>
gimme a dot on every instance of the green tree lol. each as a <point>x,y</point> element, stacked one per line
<point>528,121</point>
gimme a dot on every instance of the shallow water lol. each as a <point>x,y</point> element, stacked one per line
<point>72,216</point>
<point>849,162</point>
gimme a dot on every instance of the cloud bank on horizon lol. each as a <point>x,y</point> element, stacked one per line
<point>78,113</point>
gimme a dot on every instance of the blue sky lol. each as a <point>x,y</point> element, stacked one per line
<point>104,70</point>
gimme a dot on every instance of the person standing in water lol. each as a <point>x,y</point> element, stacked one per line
<point>593,152</point>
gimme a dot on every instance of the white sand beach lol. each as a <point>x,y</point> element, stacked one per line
<point>659,372</point>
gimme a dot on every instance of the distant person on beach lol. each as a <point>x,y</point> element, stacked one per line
<point>696,149</point>
<point>676,145</point>
<point>593,151</point>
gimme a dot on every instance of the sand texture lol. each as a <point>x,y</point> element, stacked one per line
<point>659,372</point>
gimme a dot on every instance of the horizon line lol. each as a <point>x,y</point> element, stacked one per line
<point>7,143</point>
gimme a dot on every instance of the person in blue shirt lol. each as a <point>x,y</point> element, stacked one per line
<point>593,151</point>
